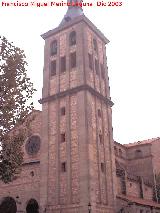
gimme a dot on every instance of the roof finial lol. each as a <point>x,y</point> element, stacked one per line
<point>74,10</point>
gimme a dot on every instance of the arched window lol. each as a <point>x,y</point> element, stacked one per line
<point>8,205</point>
<point>54,47</point>
<point>32,206</point>
<point>138,153</point>
<point>72,38</point>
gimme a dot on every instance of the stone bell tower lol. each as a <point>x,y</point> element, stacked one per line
<point>77,160</point>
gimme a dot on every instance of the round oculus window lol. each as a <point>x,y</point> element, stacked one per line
<point>33,145</point>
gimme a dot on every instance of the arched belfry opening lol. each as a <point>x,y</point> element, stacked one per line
<point>32,206</point>
<point>8,205</point>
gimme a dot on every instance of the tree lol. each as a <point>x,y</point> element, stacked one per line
<point>16,91</point>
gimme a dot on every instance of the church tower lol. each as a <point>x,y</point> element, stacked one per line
<point>77,160</point>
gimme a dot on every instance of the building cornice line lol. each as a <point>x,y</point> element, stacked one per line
<point>73,22</point>
<point>138,201</point>
<point>75,90</point>
<point>31,163</point>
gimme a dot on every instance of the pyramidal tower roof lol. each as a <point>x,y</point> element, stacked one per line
<point>74,15</point>
<point>74,10</point>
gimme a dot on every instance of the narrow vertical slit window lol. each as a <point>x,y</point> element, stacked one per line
<point>100,138</point>
<point>63,64</point>
<point>63,111</point>
<point>90,61</point>
<point>99,113</point>
<point>102,167</point>
<point>73,61</point>
<point>63,167</point>
<point>63,137</point>
<point>53,68</point>
<point>102,71</point>
<point>97,66</point>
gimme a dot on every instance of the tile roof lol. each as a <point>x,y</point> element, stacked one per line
<point>148,141</point>
<point>140,201</point>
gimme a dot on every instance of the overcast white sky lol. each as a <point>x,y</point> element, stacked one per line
<point>133,57</point>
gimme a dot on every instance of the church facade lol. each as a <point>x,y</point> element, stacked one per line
<point>71,162</point>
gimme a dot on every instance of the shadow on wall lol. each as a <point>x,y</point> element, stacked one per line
<point>8,205</point>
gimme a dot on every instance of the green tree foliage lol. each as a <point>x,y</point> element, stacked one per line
<point>16,91</point>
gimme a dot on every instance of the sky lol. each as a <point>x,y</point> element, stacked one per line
<point>133,57</point>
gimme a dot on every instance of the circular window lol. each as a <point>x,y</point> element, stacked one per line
<point>33,145</point>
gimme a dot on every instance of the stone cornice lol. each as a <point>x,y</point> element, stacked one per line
<point>140,157</point>
<point>31,163</point>
<point>75,90</point>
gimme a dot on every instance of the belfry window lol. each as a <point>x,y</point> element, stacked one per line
<point>73,61</point>
<point>63,64</point>
<point>72,38</point>
<point>53,68</point>
<point>95,45</point>
<point>53,47</point>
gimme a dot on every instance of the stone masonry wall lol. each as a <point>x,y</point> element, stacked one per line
<point>88,138</point>
<point>74,150</point>
<point>99,152</point>
<point>27,184</point>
